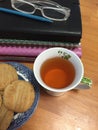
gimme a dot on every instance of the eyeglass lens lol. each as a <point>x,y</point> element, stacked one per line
<point>53,13</point>
<point>24,6</point>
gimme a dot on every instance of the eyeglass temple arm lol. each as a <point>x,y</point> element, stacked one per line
<point>50,2</point>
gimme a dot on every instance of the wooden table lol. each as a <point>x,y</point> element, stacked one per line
<point>75,110</point>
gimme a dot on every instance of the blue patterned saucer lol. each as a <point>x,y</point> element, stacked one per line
<point>24,73</point>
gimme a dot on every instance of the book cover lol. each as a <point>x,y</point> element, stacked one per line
<point>20,28</point>
<point>36,43</point>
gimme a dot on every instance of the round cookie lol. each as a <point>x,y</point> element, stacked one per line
<point>0,100</point>
<point>19,96</point>
<point>8,74</point>
<point>6,117</point>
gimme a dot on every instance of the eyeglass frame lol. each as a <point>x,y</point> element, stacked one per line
<point>64,10</point>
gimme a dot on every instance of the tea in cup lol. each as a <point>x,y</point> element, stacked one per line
<point>59,70</point>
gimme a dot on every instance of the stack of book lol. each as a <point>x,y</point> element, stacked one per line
<point>23,39</point>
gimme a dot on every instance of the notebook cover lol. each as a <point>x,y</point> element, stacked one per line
<point>16,27</point>
<point>32,43</point>
<point>30,51</point>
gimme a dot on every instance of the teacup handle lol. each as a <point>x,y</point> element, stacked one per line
<point>86,83</point>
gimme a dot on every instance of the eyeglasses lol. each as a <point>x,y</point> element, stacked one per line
<point>49,9</point>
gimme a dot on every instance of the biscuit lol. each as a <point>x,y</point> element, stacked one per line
<point>8,74</point>
<point>1,92</point>
<point>19,96</point>
<point>6,117</point>
<point>0,100</point>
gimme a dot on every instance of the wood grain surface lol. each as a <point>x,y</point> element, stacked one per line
<point>75,110</point>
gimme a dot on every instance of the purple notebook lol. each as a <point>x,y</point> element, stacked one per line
<point>13,53</point>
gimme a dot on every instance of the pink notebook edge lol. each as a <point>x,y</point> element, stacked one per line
<point>28,53</point>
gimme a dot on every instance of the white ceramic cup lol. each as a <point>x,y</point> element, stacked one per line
<point>79,82</point>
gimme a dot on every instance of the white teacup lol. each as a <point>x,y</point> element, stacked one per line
<point>79,82</point>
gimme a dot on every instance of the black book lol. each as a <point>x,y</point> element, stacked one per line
<point>20,28</point>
